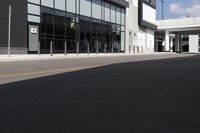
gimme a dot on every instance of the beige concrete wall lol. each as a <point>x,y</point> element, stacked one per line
<point>193,43</point>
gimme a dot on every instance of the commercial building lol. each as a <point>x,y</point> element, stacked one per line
<point>141,24</point>
<point>74,26</point>
<point>178,35</point>
<point>78,26</point>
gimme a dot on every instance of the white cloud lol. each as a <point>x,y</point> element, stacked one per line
<point>180,10</point>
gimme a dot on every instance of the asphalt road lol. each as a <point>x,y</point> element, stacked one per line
<point>154,96</point>
<point>22,70</point>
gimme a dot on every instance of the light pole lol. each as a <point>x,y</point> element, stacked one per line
<point>162,1</point>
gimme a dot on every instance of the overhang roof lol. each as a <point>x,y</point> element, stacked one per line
<point>120,2</point>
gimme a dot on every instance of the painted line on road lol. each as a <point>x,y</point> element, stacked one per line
<point>49,71</point>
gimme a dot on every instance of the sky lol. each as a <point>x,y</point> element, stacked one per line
<point>178,9</point>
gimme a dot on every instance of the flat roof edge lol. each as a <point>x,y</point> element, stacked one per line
<point>120,2</point>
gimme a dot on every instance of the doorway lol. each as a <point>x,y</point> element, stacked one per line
<point>33,38</point>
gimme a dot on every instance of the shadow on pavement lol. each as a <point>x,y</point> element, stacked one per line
<point>159,96</point>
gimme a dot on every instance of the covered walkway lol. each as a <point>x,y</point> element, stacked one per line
<point>178,35</point>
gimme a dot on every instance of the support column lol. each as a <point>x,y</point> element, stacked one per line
<point>193,43</point>
<point>167,45</point>
<point>171,44</point>
<point>177,43</point>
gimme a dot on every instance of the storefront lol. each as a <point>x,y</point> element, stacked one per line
<point>76,26</point>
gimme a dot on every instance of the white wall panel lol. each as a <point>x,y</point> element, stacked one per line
<point>150,39</point>
<point>149,14</point>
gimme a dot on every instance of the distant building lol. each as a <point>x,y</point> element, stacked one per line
<point>178,35</point>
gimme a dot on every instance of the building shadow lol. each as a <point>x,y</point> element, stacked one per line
<point>148,96</point>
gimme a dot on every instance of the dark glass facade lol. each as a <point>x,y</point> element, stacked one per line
<point>85,26</point>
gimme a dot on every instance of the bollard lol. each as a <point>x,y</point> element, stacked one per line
<point>38,47</point>
<point>65,48</point>
<point>112,48</point>
<point>129,49</point>
<point>51,48</point>
<point>97,50</point>
<point>105,48</point>
<point>88,48</point>
<point>77,50</point>
<point>142,49</point>
<point>134,49</point>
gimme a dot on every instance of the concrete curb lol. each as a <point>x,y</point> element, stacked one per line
<point>5,58</point>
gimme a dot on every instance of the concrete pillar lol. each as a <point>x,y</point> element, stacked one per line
<point>156,45</point>
<point>171,44</point>
<point>177,43</point>
<point>167,45</point>
<point>193,43</point>
<point>163,46</point>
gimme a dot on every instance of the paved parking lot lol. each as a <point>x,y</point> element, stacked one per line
<point>144,94</point>
<point>29,66</point>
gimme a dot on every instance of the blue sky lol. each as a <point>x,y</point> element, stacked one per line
<point>178,8</point>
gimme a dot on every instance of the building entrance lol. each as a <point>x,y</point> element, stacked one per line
<point>33,38</point>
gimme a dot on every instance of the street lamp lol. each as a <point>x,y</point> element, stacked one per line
<point>162,1</point>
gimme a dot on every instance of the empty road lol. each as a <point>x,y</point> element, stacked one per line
<point>141,94</point>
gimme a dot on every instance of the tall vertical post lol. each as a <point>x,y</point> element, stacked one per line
<point>112,48</point>
<point>142,49</point>
<point>38,47</point>
<point>134,49</point>
<point>9,28</point>
<point>118,49</point>
<point>65,48</point>
<point>51,48</point>
<point>77,50</point>
<point>97,45</point>
<point>162,1</point>
<point>88,48</point>
<point>105,45</point>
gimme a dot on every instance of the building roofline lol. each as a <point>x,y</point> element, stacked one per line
<point>120,2</point>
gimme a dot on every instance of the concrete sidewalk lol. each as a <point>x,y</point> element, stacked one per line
<point>19,68</point>
<point>28,57</point>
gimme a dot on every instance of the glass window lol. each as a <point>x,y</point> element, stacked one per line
<point>71,33</point>
<point>85,8</point>
<point>48,3</point>
<point>118,15</point>
<point>122,28</point>
<point>71,6</point>
<point>85,34</point>
<point>47,21</point>
<point>96,9</point>
<point>123,16</point>
<point>77,6</point>
<point>34,1</point>
<point>103,10</point>
<point>59,23</point>
<point>118,27</point>
<point>107,11</point>
<point>113,15</point>
<point>60,4</point>
<point>33,9</point>
<point>32,18</point>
